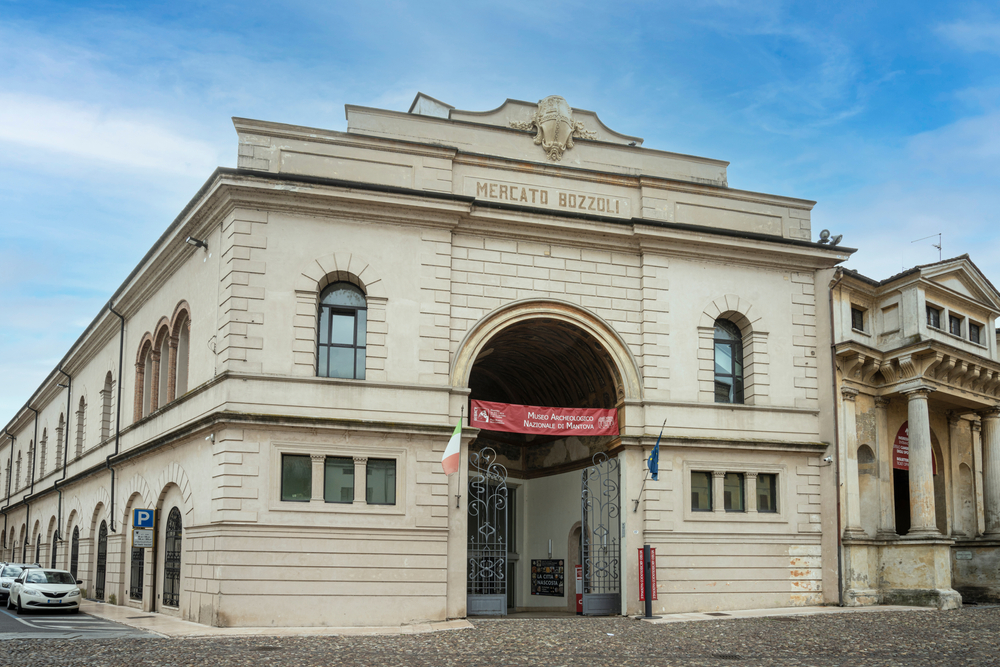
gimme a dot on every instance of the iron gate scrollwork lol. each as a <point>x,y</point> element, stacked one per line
<point>600,539</point>
<point>102,560</point>
<point>488,539</point>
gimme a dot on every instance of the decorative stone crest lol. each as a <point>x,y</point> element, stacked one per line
<point>556,128</point>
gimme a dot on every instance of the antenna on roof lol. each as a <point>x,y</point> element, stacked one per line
<point>936,245</point>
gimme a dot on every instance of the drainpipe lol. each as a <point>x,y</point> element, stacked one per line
<point>118,414</point>
<point>836,442</point>
<point>27,505</point>
<point>10,474</point>
<point>55,485</point>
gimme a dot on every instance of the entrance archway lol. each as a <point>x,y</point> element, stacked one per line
<point>901,491</point>
<point>549,354</point>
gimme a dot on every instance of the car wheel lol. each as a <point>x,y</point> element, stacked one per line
<point>74,611</point>
<point>9,605</point>
<point>18,609</point>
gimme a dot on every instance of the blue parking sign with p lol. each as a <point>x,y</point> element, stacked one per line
<point>142,518</point>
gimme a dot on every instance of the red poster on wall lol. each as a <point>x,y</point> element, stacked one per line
<point>901,450</point>
<point>543,421</point>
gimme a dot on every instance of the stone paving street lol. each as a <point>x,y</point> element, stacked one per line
<point>968,636</point>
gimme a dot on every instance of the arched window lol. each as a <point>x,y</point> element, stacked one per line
<point>102,561</point>
<point>182,334</point>
<point>74,553</point>
<point>106,406</point>
<point>343,326</point>
<point>17,473</point>
<point>146,386</point>
<point>38,550</point>
<point>163,373</point>
<point>172,560</point>
<point>42,451</point>
<point>81,415</point>
<point>728,362</point>
<point>61,434</point>
<point>52,559</point>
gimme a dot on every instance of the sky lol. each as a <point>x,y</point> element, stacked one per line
<point>113,114</point>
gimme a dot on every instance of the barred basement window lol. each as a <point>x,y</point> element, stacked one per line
<point>343,326</point>
<point>767,493</point>
<point>381,482</point>
<point>296,478</point>
<point>701,491</point>
<point>732,492</point>
<point>338,482</point>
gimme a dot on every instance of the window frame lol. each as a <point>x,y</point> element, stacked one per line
<point>955,322</point>
<point>327,311</point>
<point>326,472</point>
<point>785,492</point>
<point>774,492</point>
<point>282,477</point>
<point>937,316</point>
<point>859,319</point>
<point>708,475</point>
<point>978,328</point>
<point>735,345</point>
<point>741,478</point>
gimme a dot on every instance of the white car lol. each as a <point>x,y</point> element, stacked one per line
<point>8,573</point>
<point>42,588</point>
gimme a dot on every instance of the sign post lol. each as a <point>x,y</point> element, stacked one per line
<point>647,579</point>
<point>143,527</point>
<point>579,590</point>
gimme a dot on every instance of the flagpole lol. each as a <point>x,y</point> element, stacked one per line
<point>643,488</point>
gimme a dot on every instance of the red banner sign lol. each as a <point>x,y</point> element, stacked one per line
<point>642,574</point>
<point>543,421</point>
<point>901,450</point>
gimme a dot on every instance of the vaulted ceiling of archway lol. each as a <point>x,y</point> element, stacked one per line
<point>545,362</point>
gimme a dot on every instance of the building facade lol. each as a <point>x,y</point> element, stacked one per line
<point>919,401</point>
<point>280,374</point>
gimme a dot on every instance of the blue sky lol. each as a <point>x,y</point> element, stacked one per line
<point>113,114</point>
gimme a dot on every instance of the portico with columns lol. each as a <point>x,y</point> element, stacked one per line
<point>918,446</point>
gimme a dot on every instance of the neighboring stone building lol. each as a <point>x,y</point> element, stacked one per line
<point>280,374</point>
<point>919,395</point>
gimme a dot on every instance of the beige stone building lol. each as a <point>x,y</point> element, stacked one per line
<point>919,448</point>
<point>280,374</point>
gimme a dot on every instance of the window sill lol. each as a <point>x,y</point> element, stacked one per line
<point>324,507</point>
<point>861,331</point>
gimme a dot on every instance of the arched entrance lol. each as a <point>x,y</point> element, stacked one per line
<point>547,354</point>
<point>102,561</point>
<point>172,559</point>
<point>901,485</point>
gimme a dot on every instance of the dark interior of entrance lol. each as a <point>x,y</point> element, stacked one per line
<point>549,363</point>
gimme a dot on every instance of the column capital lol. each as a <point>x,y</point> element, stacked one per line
<point>990,413</point>
<point>954,418</point>
<point>361,459</point>
<point>917,392</point>
<point>882,402</point>
<point>750,475</point>
<point>317,457</point>
<point>849,393</point>
<point>718,473</point>
<point>976,427</point>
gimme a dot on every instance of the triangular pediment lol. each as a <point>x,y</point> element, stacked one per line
<point>963,277</point>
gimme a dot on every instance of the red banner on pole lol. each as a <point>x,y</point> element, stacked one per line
<point>543,421</point>
<point>642,574</point>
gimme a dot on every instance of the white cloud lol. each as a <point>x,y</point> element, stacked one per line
<point>972,36</point>
<point>124,138</point>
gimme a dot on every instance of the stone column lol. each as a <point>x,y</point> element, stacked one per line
<point>718,492</point>
<point>154,383</point>
<point>977,475</point>
<point>991,470</point>
<point>923,522</point>
<point>883,440</point>
<point>318,464</point>
<point>751,491</point>
<point>360,480</point>
<point>171,368</point>
<point>140,379</point>
<point>849,443</point>
<point>954,479</point>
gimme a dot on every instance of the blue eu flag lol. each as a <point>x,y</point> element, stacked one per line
<point>654,458</point>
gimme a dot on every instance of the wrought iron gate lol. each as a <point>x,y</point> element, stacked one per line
<point>102,561</point>
<point>488,539</point>
<point>600,538</point>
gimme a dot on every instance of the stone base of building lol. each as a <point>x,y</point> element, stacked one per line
<point>942,598</point>
<point>854,597</point>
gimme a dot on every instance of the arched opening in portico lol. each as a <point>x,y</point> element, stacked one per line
<point>545,354</point>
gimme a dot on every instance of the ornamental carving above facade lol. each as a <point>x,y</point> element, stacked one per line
<point>555,127</point>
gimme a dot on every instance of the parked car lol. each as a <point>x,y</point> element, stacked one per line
<point>43,588</point>
<point>8,573</point>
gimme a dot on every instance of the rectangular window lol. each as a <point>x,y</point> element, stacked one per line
<point>955,325</point>
<point>857,319</point>
<point>974,333</point>
<point>296,478</point>
<point>338,479</point>
<point>933,317</point>
<point>701,491</point>
<point>732,492</point>
<point>381,482</point>
<point>767,493</point>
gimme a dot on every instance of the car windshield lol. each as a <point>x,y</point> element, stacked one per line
<point>11,571</point>
<point>43,577</point>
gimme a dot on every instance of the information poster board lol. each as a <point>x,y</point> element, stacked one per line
<point>548,578</point>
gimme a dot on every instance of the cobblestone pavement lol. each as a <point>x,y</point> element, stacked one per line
<point>968,636</point>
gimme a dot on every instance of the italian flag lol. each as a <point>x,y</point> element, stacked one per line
<point>453,452</point>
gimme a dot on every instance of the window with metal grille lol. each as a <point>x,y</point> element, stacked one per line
<point>343,326</point>
<point>172,560</point>
<point>74,553</point>
<point>55,543</point>
<point>38,550</point>
<point>728,362</point>
<point>857,319</point>
<point>102,560</point>
<point>954,325</point>
<point>135,582</point>
<point>933,317</point>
